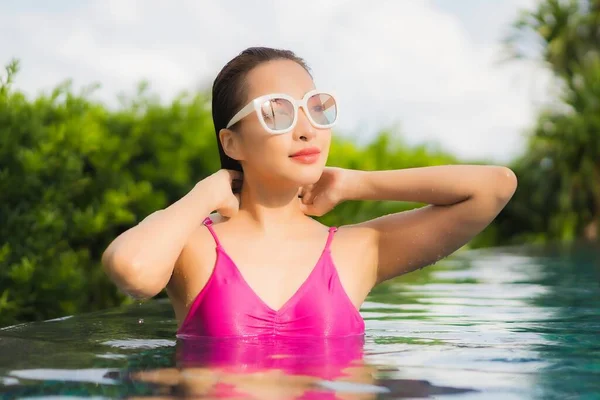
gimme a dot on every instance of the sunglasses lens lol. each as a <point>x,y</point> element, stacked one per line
<point>277,113</point>
<point>323,109</point>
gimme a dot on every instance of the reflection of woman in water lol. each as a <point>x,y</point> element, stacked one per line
<point>262,368</point>
<point>278,368</point>
<point>292,366</point>
<point>276,271</point>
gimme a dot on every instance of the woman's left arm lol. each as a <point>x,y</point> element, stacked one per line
<point>462,200</point>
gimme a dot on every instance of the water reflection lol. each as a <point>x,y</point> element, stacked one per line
<point>269,368</point>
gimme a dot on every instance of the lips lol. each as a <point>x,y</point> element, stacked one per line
<point>309,151</point>
<point>309,155</point>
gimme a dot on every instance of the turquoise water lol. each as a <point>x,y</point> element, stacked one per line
<point>494,324</point>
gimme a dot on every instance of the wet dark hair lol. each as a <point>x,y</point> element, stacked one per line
<point>229,90</point>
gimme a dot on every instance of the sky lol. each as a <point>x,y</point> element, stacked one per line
<point>428,70</point>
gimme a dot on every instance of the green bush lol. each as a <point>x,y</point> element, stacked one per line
<point>73,175</point>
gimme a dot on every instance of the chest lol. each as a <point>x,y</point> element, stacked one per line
<point>288,294</point>
<point>276,272</point>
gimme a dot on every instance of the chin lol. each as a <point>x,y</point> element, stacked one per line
<point>307,175</point>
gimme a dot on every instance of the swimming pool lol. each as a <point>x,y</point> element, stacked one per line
<point>494,324</point>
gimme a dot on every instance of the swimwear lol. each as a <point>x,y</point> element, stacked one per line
<point>228,307</point>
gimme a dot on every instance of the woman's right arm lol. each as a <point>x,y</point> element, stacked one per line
<point>141,260</point>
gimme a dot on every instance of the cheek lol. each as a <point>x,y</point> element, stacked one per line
<point>325,141</point>
<point>267,149</point>
<point>326,137</point>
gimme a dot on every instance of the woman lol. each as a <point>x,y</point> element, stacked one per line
<point>261,265</point>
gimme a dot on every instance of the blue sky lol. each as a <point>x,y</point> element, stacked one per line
<point>425,69</point>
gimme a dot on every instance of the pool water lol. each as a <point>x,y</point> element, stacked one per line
<point>496,324</point>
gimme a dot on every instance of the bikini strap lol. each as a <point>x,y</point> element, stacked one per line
<point>208,223</point>
<point>332,231</point>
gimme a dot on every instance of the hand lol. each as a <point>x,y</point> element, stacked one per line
<point>225,186</point>
<point>320,198</point>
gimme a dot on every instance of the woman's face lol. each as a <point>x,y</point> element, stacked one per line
<point>269,157</point>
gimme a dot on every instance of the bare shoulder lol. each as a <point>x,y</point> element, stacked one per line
<point>194,265</point>
<point>355,237</point>
<point>199,251</point>
<point>354,252</point>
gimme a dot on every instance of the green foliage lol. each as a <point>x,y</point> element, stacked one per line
<point>74,175</point>
<point>559,174</point>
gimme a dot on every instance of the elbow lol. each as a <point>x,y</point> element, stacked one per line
<point>505,184</point>
<point>131,277</point>
<point>496,188</point>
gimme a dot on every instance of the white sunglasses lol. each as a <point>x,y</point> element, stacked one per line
<point>278,112</point>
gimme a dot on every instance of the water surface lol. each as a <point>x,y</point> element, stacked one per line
<point>494,324</point>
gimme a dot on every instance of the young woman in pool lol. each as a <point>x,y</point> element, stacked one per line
<point>261,265</point>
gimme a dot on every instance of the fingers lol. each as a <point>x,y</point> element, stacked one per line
<point>309,198</point>
<point>231,207</point>
<point>307,210</point>
<point>307,195</point>
<point>311,209</point>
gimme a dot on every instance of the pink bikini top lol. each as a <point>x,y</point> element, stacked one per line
<point>228,307</point>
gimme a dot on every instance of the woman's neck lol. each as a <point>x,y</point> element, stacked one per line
<point>270,208</point>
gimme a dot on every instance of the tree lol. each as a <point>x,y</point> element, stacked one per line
<point>559,174</point>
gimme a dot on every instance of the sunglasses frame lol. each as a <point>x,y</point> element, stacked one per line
<point>255,105</point>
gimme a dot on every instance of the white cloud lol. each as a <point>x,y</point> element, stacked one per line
<point>408,62</point>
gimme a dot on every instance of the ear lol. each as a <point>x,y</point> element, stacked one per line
<point>230,141</point>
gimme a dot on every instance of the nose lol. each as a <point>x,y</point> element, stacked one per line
<point>304,129</point>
